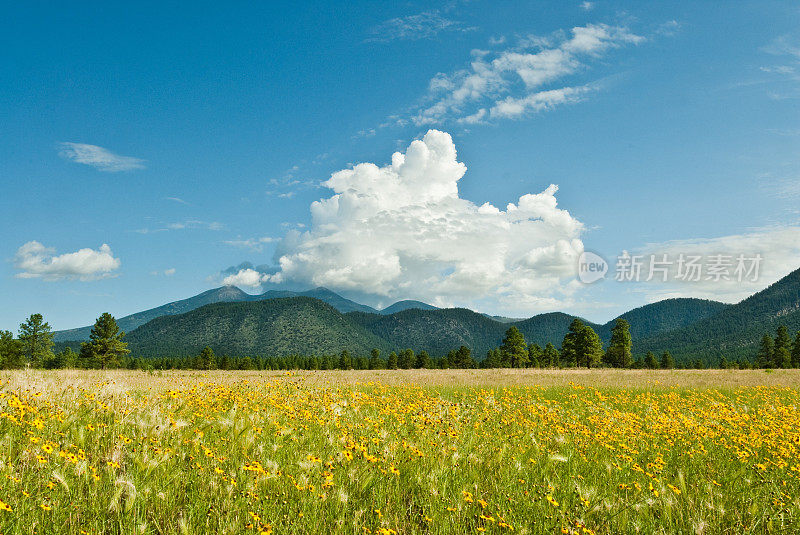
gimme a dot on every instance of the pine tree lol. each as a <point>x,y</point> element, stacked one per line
<point>535,356</point>
<point>406,359</point>
<point>551,356</point>
<point>423,360</point>
<point>723,363</point>
<point>392,364</point>
<point>589,347</point>
<point>66,358</point>
<point>782,353</point>
<point>650,360</point>
<point>11,352</point>
<point>765,354</point>
<point>37,340</point>
<point>513,350</point>
<point>492,359</point>
<point>206,360</point>
<point>667,362</point>
<point>462,358</point>
<point>345,361</point>
<point>796,351</point>
<point>375,362</point>
<point>569,346</point>
<point>105,344</point>
<point>619,353</point>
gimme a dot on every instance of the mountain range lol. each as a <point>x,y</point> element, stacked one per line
<point>320,321</point>
<point>231,294</point>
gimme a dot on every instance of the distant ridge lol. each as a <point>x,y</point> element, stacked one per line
<point>230,294</point>
<point>129,323</point>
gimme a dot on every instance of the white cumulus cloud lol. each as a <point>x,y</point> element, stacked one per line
<point>34,260</point>
<point>402,231</point>
<point>248,277</point>
<point>98,157</point>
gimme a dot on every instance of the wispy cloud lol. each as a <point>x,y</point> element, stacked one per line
<point>784,74</point>
<point>195,224</point>
<point>669,28</point>
<point>167,272</point>
<point>518,81</point>
<point>425,25</point>
<point>784,45</point>
<point>34,260</point>
<point>782,187</point>
<point>177,200</point>
<point>98,157</point>
<point>254,244</point>
<point>289,183</point>
<point>587,6</point>
<point>787,132</point>
<point>189,224</point>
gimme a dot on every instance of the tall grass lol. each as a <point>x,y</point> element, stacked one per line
<point>221,453</point>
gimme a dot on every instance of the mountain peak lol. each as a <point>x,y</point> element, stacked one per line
<point>227,292</point>
<point>322,289</point>
<point>405,305</point>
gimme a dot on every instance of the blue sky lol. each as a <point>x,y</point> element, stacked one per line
<point>148,152</point>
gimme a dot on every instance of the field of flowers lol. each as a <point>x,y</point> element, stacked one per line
<point>279,454</point>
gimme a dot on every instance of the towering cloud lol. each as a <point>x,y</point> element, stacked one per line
<point>403,231</point>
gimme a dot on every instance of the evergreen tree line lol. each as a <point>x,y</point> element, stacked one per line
<point>581,347</point>
<point>406,359</point>
<point>779,352</point>
<point>34,346</point>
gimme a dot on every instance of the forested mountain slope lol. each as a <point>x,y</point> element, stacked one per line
<point>272,327</point>
<point>735,331</point>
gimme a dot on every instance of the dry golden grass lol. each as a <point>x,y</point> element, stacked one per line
<point>649,379</point>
